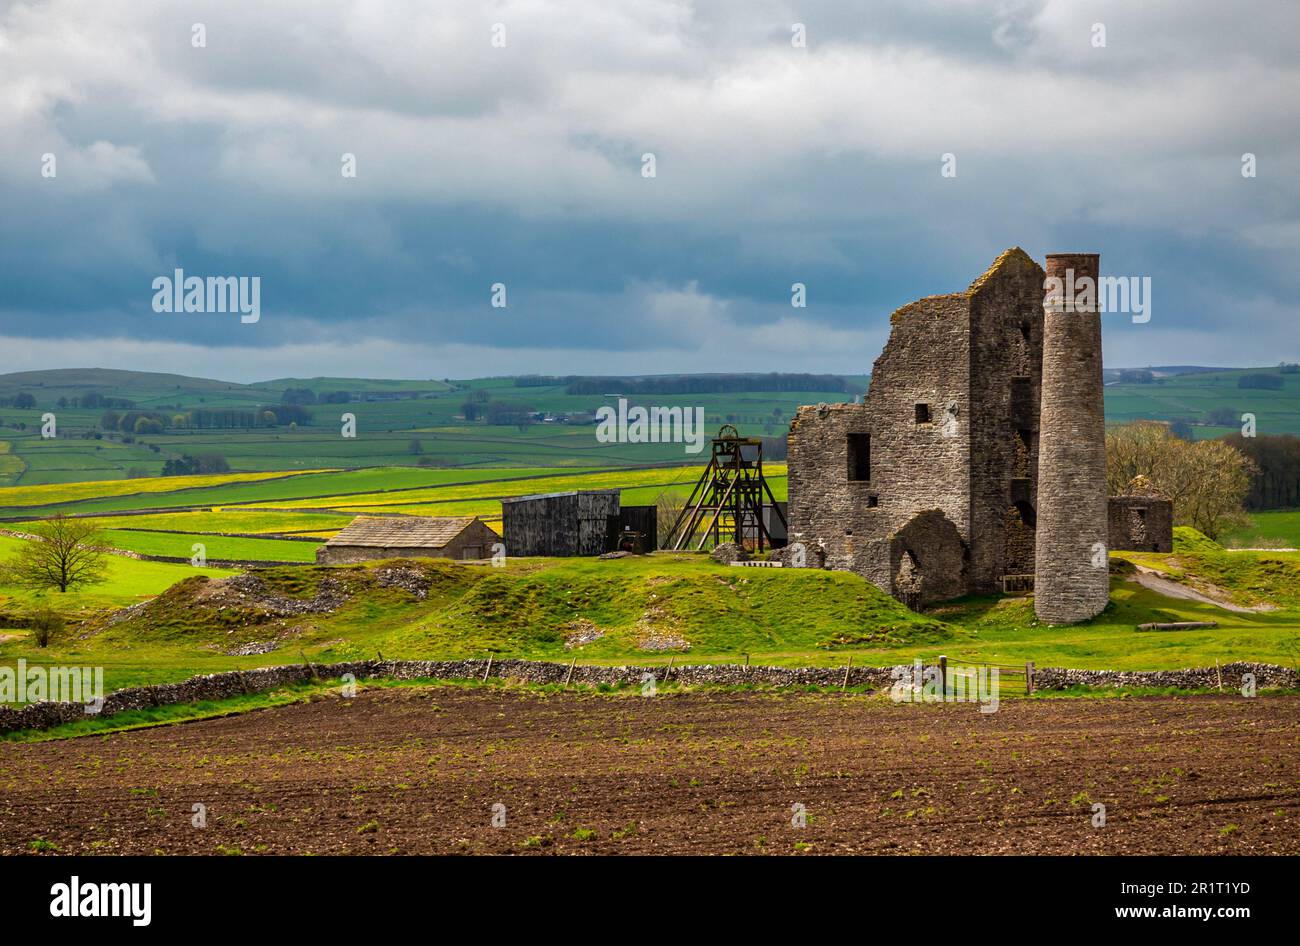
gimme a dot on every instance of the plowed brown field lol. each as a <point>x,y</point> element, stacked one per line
<point>418,770</point>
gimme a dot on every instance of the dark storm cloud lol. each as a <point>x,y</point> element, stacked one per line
<point>521,165</point>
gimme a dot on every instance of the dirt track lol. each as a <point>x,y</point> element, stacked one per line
<point>418,771</point>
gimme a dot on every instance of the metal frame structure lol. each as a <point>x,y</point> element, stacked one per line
<point>727,501</point>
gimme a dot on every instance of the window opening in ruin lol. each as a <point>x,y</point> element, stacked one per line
<point>923,413</point>
<point>1024,331</point>
<point>1021,487</point>
<point>873,502</point>
<point>859,449</point>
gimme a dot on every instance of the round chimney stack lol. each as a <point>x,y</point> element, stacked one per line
<point>1071,571</point>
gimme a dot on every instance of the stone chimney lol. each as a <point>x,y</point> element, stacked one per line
<point>1071,573</point>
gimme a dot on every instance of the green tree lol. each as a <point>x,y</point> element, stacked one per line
<point>63,553</point>
<point>1207,480</point>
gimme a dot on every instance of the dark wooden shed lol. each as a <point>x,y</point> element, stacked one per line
<point>572,523</point>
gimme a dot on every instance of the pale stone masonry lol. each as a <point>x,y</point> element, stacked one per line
<point>1071,577</point>
<point>928,488</point>
<point>977,458</point>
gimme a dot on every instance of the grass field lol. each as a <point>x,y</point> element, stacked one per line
<point>316,504</point>
<point>136,493</point>
<point>1270,528</point>
<point>397,422</point>
<point>216,547</point>
<point>646,611</point>
<point>129,582</point>
<point>1195,395</point>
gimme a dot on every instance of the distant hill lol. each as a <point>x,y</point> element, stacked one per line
<point>76,381</point>
<point>353,384</point>
<point>1163,371</point>
<point>503,422</point>
<point>120,424</point>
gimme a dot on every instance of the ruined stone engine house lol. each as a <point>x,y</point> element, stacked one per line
<point>930,487</point>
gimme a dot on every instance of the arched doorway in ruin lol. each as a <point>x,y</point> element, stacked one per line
<point>928,560</point>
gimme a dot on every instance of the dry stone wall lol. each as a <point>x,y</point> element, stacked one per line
<point>220,686</point>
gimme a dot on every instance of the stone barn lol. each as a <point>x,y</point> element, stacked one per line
<point>377,537</point>
<point>572,523</point>
<point>1140,524</point>
<point>928,487</point>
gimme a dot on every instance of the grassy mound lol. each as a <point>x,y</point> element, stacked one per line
<point>1189,541</point>
<point>625,608</point>
<point>1250,579</point>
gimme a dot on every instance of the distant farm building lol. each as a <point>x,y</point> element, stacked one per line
<point>377,537</point>
<point>578,522</point>
<point>1140,524</point>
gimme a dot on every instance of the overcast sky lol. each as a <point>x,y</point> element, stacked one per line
<point>479,164</point>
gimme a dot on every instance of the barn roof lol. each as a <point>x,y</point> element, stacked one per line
<point>425,532</point>
<point>572,492</point>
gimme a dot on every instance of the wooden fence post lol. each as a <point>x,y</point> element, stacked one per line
<point>569,674</point>
<point>668,672</point>
<point>1029,678</point>
<point>488,669</point>
<point>849,666</point>
<point>943,675</point>
<point>1218,673</point>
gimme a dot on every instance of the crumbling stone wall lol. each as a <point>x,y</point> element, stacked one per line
<point>952,418</point>
<point>827,510</point>
<point>1140,524</point>
<point>1005,383</point>
<point>219,686</point>
<point>928,560</point>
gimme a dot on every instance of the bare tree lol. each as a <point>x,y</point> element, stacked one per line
<point>1207,480</point>
<point>63,554</point>
<point>668,506</point>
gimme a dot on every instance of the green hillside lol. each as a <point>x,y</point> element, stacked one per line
<point>411,422</point>
<point>1195,396</point>
<point>422,422</point>
<point>641,610</point>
